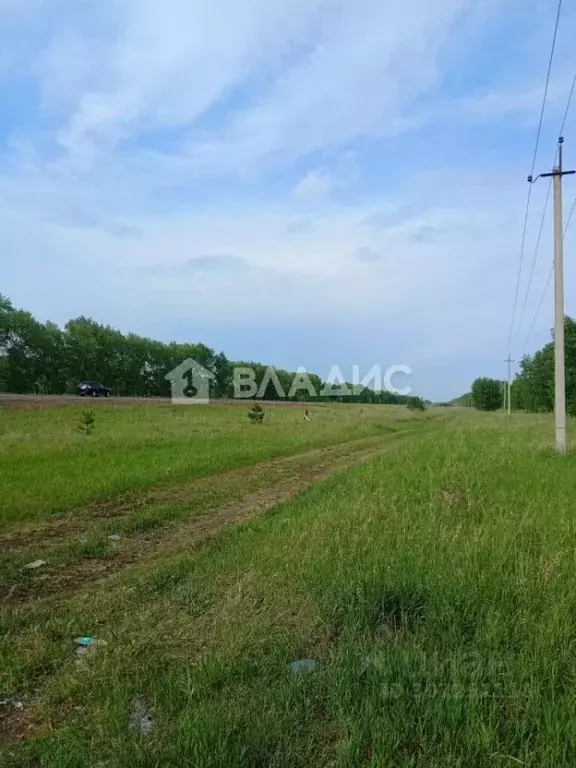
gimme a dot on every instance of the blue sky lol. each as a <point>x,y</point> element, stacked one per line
<point>301,182</point>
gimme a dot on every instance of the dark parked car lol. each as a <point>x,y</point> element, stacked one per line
<point>92,388</point>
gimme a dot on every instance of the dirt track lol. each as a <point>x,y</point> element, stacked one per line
<point>282,480</point>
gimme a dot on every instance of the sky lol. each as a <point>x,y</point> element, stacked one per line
<point>298,182</point>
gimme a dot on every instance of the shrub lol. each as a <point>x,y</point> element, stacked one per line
<point>87,423</point>
<point>256,414</point>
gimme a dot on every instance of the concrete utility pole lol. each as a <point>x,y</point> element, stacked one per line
<point>559,366</point>
<point>509,380</point>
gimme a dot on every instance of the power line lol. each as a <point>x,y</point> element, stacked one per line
<point>540,303</point>
<point>538,133</point>
<point>560,132</point>
<point>546,86</point>
<point>568,105</point>
<point>570,216</point>
<point>518,276</point>
<point>535,258</point>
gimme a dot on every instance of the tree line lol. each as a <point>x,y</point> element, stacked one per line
<point>533,387</point>
<point>42,358</point>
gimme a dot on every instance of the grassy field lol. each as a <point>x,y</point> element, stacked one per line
<point>433,584</point>
<point>49,466</point>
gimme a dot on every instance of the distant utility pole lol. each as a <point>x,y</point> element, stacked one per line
<point>559,367</point>
<point>509,380</point>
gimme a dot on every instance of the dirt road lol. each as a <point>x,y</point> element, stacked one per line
<point>55,401</point>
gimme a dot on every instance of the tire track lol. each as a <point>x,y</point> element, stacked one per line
<point>186,535</point>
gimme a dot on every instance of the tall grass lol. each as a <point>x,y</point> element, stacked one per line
<point>435,587</point>
<point>48,466</point>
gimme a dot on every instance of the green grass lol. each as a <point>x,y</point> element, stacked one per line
<point>84,533</point>
<point>435,586</point>
<point>49,466</point>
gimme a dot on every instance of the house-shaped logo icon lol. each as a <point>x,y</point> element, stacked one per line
<point>190,383</point>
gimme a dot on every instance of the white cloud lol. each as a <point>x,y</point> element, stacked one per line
<point>316,73</point>
<point>368,255</point>
<point>502,102</point>
<point>250,261</point>
<point>371,62</point>
<point>314,184</point>
<point>166,62</point>
<point>152,180</point>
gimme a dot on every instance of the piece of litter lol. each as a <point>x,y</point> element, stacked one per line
<point>35,564</point>
<point>11,701</point>
<point>18,702</point>
<point>87,641</point>
<point>303,665</point>
<point>141,720</point>
<point>114,537</point>
<point>86,645</point>
<point>83,640</point>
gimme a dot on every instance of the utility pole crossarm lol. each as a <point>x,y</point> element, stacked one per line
<point>556,173</point>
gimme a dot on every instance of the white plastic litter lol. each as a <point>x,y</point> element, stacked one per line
<point>302,666</point>
<point>141,721</point>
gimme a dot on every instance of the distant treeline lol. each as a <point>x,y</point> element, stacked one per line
<point>42,358</point>
<point>533,388</point>
<point>464,401</point>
